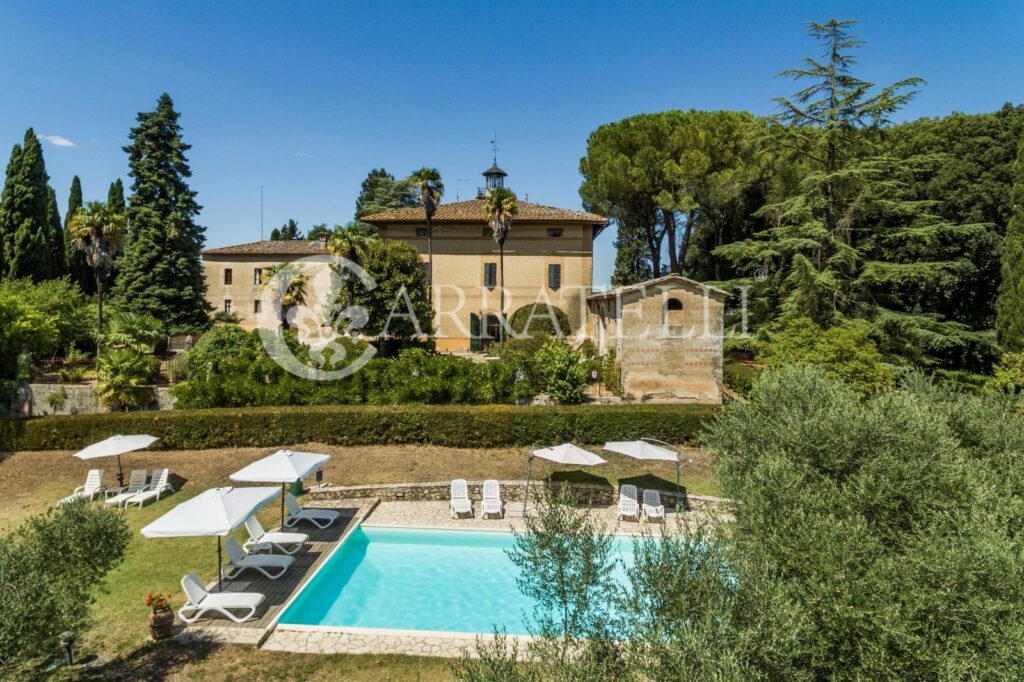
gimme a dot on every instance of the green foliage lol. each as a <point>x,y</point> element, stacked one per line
<point>62,302</point>
<point>132,331</point>
<point>540,319</point>
<point>846,353</point>
<point>381,192</point>
<point>78,269</point>
<point>885,527</point>
<point>50,567</point>
<point>565,378</point>
<point>611,372</point>
<point>160,272</point>
<point>26,230</point>
<point>55,242</point>
<point>399,305</point>
<point>738,376</point>
<point>24,329</point>
<point>478,426</point>
<point>125,378</point>
<point>115,197</point>
<point>1010,306</point>
<point>289,231</point>
<point>1008,373</point>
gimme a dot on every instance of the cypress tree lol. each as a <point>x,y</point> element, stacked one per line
<point>24,214</point>
<point>57,262</point>
<point>160,272</point>
<point>78,269</point>
<point>115,197</point>
<point>7,206</point>
<point>1010,306</point>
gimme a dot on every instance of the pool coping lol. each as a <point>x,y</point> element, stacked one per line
<point>273,624</point>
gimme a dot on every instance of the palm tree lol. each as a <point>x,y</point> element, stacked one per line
<point>349,242</point>
<point>98,232</point>
<point>134,332</point>
<point>124,378</point>
<point>290,282</point>
<point>431,191</point>
<point>502,205</point>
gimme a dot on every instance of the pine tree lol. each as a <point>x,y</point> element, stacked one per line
<point>78,269</point>
<point>161,272</point>
<point>1010,306</point>
<point>115,197</point>
<point>57,263</point>
<point>24,214</point>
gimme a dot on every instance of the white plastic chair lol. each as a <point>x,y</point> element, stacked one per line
<point>136,484</point>
<point>200,601</point>
<point>321,518</point>
<point>491,503</point>
<point>628,507</point>
<point>460,503</point>
<point>653,508</point>
<point>93,487</point>
<point>271,565</point>
<point>258,536</point>
<point>152,491</point>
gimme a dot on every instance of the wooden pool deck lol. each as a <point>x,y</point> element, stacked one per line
<point>278,592</point>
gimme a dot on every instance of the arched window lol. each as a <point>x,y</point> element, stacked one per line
<point>673,312</point>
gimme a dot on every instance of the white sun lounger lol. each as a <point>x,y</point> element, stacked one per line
<point>653,508</point>
<point>491,503</point>
<point>321,518</point>
<point>136,484</point>
<point>460,503</point>
<point>200,601</point>
<point>258,536</point>
<point>152,491</point>
<point>628,507</point>
<point>93,487</point>
<point>271,565</point>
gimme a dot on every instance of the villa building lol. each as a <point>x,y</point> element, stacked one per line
<point>667,332</point>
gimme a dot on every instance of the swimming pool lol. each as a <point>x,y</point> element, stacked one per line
<point>412,579</point>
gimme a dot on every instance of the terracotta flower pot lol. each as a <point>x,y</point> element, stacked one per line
<point>161,623</point>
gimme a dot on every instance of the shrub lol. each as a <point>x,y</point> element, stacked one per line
<point>611,372</point>
<point>1008,373</point>
<point>49,568</point>
<point>125,378</point>
<point>565,379</point>
<point>540,319</point>
<point>444,425</point>
<point>845,353</point>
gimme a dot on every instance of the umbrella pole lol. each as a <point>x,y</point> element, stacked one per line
<point>220,577</point>
<point>120,472</point>
<point>678,464</point>
<point>282,505</point>
<point>529,472</point>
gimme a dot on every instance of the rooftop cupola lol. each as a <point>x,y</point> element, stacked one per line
<point>494,178</point>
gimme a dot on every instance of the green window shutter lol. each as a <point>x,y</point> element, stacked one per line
<point>554,276</point>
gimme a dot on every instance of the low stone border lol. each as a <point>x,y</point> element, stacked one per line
<point>511,491</point>
<point>342,640</point>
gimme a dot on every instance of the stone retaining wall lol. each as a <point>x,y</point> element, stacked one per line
<point>511,491</point>
<point>79,399</point>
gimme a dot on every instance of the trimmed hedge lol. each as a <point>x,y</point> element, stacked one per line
<point>446,425</point>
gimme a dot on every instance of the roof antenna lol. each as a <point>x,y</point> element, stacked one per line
<point>261,212</point>
<point>494,147</point>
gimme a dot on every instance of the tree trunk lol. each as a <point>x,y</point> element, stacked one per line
<point>99,309</point>
<point>654,246</point>
<point>670,231</point>
<point>501,308</point>
<point>685,245</point>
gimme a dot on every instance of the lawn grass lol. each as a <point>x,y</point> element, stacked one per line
<point>32,481</point>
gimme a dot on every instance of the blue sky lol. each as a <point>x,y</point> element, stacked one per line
<point>305,98</point>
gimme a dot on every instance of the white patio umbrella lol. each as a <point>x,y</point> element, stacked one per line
<point>566,453</point>
<point>647,448</point>
<point>284,467</point>
<point>116,446</point>
<point>217,511</point>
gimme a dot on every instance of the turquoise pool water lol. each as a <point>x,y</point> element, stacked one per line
<point>454,581</point>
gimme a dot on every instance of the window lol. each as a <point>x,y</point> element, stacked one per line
<point>257,276</point>
<point>227,305</point>
<point>554,233</point>
<point>256,306</point>
<point>490,275</point>
<point>227,275</point>
<point>421,232</point>
<point>672,317</point>
<point>554,276</point>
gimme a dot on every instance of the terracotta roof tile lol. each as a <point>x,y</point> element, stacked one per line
<point>474,211</point>
<point>284,247</point>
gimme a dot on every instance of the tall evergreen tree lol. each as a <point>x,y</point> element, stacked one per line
<point>380,191</point>
<point>58,266</point>
<point>287,232</point>
<point>77,267</point>
<point>24,212</point>
<point>161,272</point>
<point>1010,306</point>
<point>115,197</point>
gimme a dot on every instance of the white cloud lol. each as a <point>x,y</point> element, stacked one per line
<point>300,154</point>
<point>58,140</point>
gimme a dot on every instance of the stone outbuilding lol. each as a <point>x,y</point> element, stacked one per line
<point>667,335</point>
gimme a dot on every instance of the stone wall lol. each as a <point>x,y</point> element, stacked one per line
<point>80,399</point>
<point>511,491</point>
